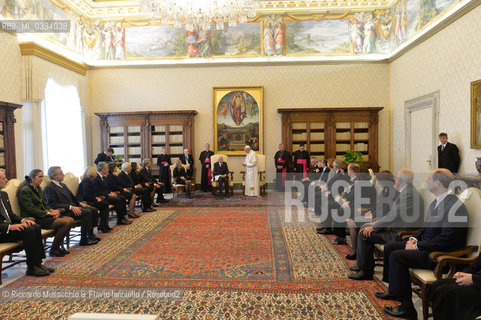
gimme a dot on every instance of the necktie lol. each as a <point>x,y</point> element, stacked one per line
<point>442,148</point>
<point>4,212</point>
<point>432,207</point>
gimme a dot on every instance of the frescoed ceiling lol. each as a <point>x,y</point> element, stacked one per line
<point>116,32</point>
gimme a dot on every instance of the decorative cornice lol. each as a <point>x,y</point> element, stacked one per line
<point>34,49</point>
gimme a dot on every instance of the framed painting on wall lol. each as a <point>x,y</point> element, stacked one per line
<point>238,113</point>
<point>476,114</point>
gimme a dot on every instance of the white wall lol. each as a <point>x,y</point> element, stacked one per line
<point>447,62</point>
<point>155,89</point>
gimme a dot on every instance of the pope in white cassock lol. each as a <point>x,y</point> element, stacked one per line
<point>252,178</point>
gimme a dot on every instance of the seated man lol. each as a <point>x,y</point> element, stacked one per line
<point>407,204</point>
<point>148,180</point>
<point>113,182</point>
<point>360,195</point>
<point>126,181</point>
<point>311,178</point>
<point>458,298</point>
<point>221,173</point>
<point>13,229</point>
<point>105,156</point>
<point>333,185</point>
<point>103,191</point>
<point>444,229</point>
<point>59,196</point>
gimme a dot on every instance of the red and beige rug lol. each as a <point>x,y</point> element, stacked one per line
<point>226,263</point>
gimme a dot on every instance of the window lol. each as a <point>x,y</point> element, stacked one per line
<point>63,128</point>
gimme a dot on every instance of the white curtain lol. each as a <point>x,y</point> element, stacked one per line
<point>63,127</point>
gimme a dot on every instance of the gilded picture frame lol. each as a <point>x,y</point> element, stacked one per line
<point>238,119</point>
<point>476,114</point>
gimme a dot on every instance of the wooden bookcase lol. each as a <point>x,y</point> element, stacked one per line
<point>329,132</point>
<point>7,138</point>
<point>139,135</point>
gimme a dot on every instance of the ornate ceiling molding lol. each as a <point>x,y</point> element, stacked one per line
<point>34,49</point>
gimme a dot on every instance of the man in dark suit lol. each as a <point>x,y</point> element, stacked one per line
<point>13,229</point>
<point>102,190</point>
<point>408,203</point>
<point>448,154</point>
<point>154,186</point>
<point>105,156</point>
<point>444,229</point>
<point>59,196</point>
<point>188,161</point>
<point>221,172</point>
<point>322,202</point>
<point>348,203</point>
<point>126,181</point>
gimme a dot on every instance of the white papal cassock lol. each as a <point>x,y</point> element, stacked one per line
<point>252,178</point>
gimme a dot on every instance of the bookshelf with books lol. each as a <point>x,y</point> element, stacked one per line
<point>329,132</point>
<point>7,138</point>
<point>140,135</point>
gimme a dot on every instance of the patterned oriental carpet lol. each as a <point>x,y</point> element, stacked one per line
<point>243,262</point>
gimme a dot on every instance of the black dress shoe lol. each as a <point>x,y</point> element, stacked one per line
<point>401,312</point>
<point>360,276</point>
<point>133,216</point>
<point>37,271</point>
<point>386,296</point>
<point>325,231</point>
<point>94,238</point>
<point>351,256</point>
<point>56,253</point>
<point>124,222</point>
<point>339,241</point>
<point>103,229</point>
<point>64,251</point>
<point>148,210</point>
<point>44,267</point>
<point>155,204</point>
<point>355,269</point>
<point>87,242</point>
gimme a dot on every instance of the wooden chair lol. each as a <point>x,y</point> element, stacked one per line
<point>215,184</point>
<point>423,278</point>
<point>8,249</point>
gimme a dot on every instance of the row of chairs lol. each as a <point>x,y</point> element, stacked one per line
<point>9,249</point>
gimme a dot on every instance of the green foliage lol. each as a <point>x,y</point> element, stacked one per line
<point>353,156</point>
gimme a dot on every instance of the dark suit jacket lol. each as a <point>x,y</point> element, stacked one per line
<point>86,191</point>
<point>113,183</point>
<point>408,203</point>
<point>102,157</point>
<point>191,162</point>
<point>101,188</point>
<point>218,169</point>
<point>337,176</point>
<point>60,198</point>
<point>324,174</point>
<point>449,157</point>
<point>360,190</point>
<point>13,217</point>
<point>475,269</point>
<point>146,176</point>
<point>440,234</point>
<point>125,180</point>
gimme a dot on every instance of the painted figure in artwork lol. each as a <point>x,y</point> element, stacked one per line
<point>193,46</point>
<point>269,45</point>
<point>119,42</point>
<point>238,109</point>
<point>279,36</point>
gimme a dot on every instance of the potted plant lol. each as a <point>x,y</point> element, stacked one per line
<point>353,156</point>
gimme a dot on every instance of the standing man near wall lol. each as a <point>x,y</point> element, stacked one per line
<point>448,154</point>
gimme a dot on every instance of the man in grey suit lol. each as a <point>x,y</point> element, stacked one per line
<point>406,213</point>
